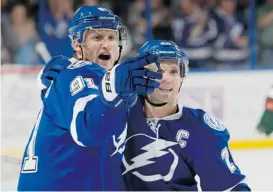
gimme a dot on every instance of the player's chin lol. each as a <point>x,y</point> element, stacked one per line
<point>107,64</point>
<point>159,99</point>
<point>163,94</point>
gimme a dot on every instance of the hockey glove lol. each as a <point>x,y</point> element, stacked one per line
<point>129,78</point>
<point>52,69</point>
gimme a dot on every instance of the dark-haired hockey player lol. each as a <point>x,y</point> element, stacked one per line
<point>168,145</point>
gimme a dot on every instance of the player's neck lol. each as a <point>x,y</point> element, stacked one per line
<point>159,112</point>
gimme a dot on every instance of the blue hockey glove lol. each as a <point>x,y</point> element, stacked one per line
<point>52,69</point>
<point>129,78</point>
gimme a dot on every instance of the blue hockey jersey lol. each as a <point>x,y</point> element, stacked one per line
<point>77,141</point>
<point>167,154</point>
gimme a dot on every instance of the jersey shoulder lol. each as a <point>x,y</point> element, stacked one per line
<point>205,123</point>
<point>84,68</point>
<point>77,71</point>
<point>74,77</point>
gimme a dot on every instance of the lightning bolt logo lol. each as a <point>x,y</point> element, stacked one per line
<point>121,140</point>
<point>155,149</point>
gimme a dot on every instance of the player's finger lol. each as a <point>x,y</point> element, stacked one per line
<point>141,89</point>
<point>146,82</point>
<point>146,73</point>
<point>139,73</point>
<point>143,60</point>
<point>154,75</point>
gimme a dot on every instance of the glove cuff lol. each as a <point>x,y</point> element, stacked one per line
<point>108,88</point>
<point>109,95</point>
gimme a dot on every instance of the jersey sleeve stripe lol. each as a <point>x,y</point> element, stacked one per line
<point>78,107</point>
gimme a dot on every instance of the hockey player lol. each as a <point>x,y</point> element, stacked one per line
<point>169,145</point>
<point>78,139</point>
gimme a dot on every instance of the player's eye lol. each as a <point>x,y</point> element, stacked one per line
<point>112,37</point>
<point>98,37</point>
<point>173,71</point>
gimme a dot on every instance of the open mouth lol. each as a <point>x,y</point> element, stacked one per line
<point>165,89</point>
<point>105,56</point>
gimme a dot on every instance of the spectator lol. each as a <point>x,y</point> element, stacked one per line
<point>137,23</point>
<point>121,9</point>
<point>20,36</point>
<point>193,31</point>
<point>78,3</point>
<point>53,23</point>
<point>91,2</point>
<point>5,55</point>
<point>161,21</point>
<point>231,45</point>
<point>265,32</point>
<point>208,4</point>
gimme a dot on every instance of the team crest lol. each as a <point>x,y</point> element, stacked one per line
<point>153,152</point>
<point>213,122</point>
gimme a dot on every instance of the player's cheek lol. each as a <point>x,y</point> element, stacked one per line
<point>115,51</point>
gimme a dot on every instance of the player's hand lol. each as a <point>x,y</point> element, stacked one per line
<point>130,78</point>
<point>52,69</point>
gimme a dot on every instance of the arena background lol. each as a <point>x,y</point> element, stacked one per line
<point>235,94</point>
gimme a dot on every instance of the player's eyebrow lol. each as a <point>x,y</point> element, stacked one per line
<point>93,32</point>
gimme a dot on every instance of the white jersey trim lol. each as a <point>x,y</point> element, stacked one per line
<point>175,116</point>
<point>79,106</point>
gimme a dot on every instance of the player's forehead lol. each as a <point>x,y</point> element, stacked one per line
<point>101,31</point>
<point>169,64</point>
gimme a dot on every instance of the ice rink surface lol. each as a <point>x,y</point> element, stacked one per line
<point>256,164</point>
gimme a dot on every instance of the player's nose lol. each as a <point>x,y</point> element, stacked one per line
<point>166,76</point>
<point>164,79</point>
<point>105,43</point>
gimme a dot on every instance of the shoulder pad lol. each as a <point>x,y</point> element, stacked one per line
<point>58,57</point>
<point>57,60</point>
<point>206,127</point>
<point>206,119</point>
<point>58,63</point>
<point>51,70</point>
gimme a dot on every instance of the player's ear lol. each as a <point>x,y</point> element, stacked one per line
<point>77,49</point>
<point>76,46</point>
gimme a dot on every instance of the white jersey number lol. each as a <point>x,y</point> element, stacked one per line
<point>225,156</point>
<point>30,164</point>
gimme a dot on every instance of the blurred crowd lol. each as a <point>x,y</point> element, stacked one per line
<point>214,33</point>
